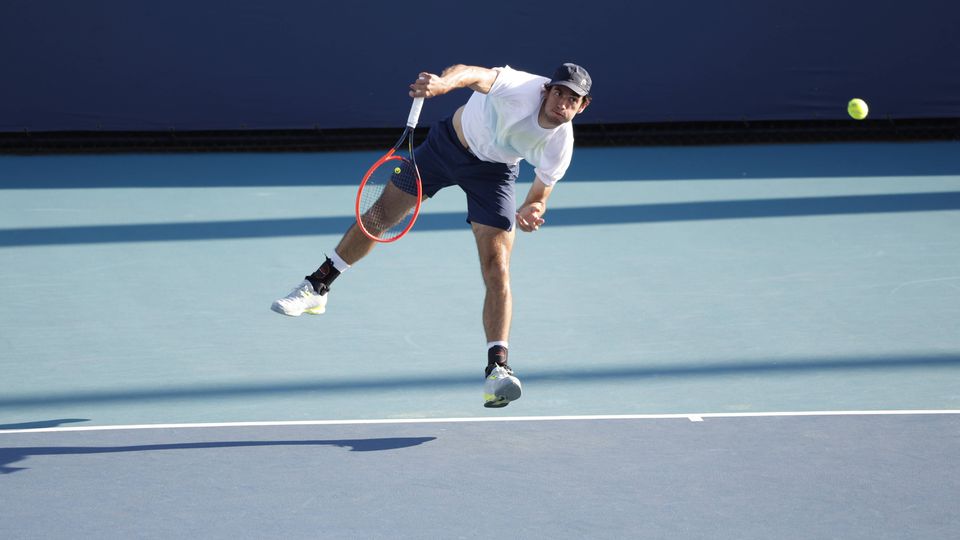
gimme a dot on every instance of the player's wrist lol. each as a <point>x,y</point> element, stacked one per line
<point>540,206</point>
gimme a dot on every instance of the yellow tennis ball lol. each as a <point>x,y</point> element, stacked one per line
<point>857,109</point>
<point>396,171</point>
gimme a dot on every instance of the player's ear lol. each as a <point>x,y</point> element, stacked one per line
<point>584,104</point>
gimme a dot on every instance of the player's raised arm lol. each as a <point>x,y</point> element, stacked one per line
<point>478,79</point>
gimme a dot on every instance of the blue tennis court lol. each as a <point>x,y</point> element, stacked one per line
<point>715,342</point>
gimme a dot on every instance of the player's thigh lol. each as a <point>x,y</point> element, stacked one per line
<point>395,201</point>
<point>494,246</point>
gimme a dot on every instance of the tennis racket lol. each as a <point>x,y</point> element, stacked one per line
<point>388,200</point>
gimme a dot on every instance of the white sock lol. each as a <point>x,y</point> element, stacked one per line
<point>491,344</point>
<point>338,263</point>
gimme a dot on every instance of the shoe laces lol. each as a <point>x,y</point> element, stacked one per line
<point>307,291</point>
<point>492,367</point>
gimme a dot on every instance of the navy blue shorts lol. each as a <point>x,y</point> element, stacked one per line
<point>444,162</point>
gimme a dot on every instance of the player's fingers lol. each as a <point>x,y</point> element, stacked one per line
<point>534,220</point>
<point>522,223</point>
<point>528,226</point>
<point>418,88</point>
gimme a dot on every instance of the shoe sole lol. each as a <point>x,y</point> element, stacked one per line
<point>497,403</point>
<point>313,311</point>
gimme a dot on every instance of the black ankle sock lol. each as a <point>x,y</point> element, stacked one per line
<point>496,356</point>
<point>323,277</point>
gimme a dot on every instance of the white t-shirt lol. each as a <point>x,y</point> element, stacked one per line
<point>501,126</point>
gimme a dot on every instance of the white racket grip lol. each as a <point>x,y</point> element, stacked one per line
<point>415,112</point>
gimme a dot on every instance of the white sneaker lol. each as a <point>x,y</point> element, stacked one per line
<point>501,387</point>
<point>301,300</point>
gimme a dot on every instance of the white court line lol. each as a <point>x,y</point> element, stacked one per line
<point>699,417</point>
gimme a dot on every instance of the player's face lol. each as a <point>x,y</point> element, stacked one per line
<point>560,106</point>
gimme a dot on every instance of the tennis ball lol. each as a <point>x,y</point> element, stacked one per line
<point>396,171</point>
<point>857,109</point>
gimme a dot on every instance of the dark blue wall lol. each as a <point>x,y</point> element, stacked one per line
<point>200,64</point>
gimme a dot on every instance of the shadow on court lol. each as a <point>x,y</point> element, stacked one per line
<point>43,424</point>
<point>638,370</point>
<point>594,215</point>
<point>13,455</point>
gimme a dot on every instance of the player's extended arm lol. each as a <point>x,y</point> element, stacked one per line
<point>530,214</point>
<point>478,79</point>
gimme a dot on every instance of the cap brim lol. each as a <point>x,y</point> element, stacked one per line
<point>576,89</point>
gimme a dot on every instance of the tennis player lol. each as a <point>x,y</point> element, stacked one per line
<point>511,116</point>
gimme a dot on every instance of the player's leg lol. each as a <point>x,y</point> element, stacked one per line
<point>494,246</point>
<point>310,296</point>
<point>491,210</point>
<point>391,207</point>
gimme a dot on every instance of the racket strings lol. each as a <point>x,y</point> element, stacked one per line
<point>388,199</point>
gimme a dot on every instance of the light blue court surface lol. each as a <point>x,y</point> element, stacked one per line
<point>136,289</point>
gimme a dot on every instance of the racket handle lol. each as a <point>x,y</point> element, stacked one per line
<point>415,112</point>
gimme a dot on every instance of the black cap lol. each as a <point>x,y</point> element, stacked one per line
<point>573,77</point>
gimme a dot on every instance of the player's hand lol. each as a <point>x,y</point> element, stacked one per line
<point>428,85</point>
<point>528,217</point>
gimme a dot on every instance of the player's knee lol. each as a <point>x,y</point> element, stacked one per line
<point>496,271</point>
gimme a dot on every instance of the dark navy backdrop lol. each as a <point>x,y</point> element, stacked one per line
<point>199,65</point>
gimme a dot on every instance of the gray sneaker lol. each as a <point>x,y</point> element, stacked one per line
<point>501,387</point>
